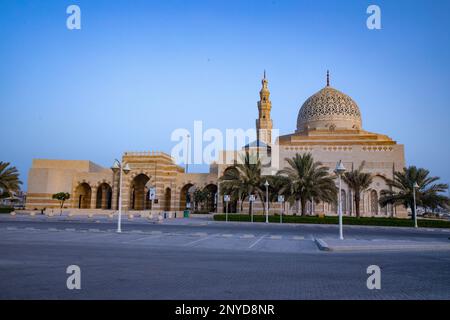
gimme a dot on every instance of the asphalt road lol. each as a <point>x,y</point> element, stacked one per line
<point>207,260</point>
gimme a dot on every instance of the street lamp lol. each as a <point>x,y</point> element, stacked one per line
<point>187,152</point>
<point>415,186</point>
<point>118,167</point>
<point>340,169</point>
<point>266,184</point>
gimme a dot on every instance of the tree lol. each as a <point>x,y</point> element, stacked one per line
<point>230,185</point>
<point>279,185</point>
<point>358,182</point>
<point>428,194</point>
<point>243,179</point>
<point>308,181</point>
<point>200,196</point>
<point>9,178</point>
<point>61,197</point>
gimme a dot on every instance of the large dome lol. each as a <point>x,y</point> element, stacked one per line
<point>329,109</point>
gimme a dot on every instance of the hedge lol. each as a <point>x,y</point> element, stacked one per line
<point>389,222</point>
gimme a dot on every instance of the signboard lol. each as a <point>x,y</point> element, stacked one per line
<point>280,198</point>
<point>226,198</point>
<point>152,193</point>
<point>252,198</point>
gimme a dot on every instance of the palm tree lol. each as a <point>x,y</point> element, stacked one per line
<point>308,181</point>
<point>243,179</point>
<point>358,182</point>
<point>230,185</point>
<point>9,178</point>
<point>428,194</point>
<point>279,185</point>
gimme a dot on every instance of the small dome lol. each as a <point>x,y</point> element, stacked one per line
<point>329,108</point>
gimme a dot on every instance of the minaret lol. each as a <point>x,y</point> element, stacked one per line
<point>264,123</point>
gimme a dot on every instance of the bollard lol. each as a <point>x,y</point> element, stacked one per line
<point>13,213</point>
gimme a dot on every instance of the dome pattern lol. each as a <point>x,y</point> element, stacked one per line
<point>329,108</point>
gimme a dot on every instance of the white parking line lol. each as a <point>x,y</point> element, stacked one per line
<point>94,230</point>
<point>256,242</point>
<point>85,237</point>
<point>200,234</point>
<point>275,237</point>
<point>298,238</point>
<point>247,236</point>
<point>142,238</point>
<point>198,240</point>
<point>227,235</point>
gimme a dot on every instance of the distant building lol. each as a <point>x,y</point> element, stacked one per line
<point>329,126</point>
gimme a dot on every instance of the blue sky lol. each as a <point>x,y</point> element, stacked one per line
<point>137,70</point>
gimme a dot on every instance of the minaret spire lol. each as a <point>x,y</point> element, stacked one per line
<point>328,78</point>
<point>264,122</point>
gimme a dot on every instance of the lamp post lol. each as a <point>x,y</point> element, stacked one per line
<point>340,169</point>
<point>415,186</point>
<point>187,152</point>
<point>118,167</point>
<point>266,184</point>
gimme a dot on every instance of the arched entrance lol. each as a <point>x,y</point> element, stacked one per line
<point>344,201</point>
<point>83,196</point>
<point>139,193</point>
<point>167,199</point>
<point>374,202</point>
<point>104,196</point>
<point>186,196</point>
<point>211,197</point>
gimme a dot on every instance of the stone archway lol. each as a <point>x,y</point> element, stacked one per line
<point>374,203</point>
<point>104,196</point>
<point>211,201</point>
<point>344,202</point>
<point>186,196</point>
<point>139,193</point>
<point>167,199</point>
<point>82,198</point>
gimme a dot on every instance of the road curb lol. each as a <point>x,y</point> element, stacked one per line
<point>322,245</point>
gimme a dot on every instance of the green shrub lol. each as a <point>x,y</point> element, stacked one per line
<point>6,210</point>
<point>392,222</point>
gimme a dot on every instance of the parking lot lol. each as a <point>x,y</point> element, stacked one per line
<point>256,241</point>
<point>201,259</point>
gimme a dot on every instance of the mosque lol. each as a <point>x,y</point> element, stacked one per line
<point>329,126</point>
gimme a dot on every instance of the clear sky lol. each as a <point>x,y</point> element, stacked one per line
<point>138,69</point>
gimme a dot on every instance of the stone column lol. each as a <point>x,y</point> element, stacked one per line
<point>93,198</point>
<point>115,191</point>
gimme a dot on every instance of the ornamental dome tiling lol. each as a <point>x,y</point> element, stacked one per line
<point>329,109</point>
